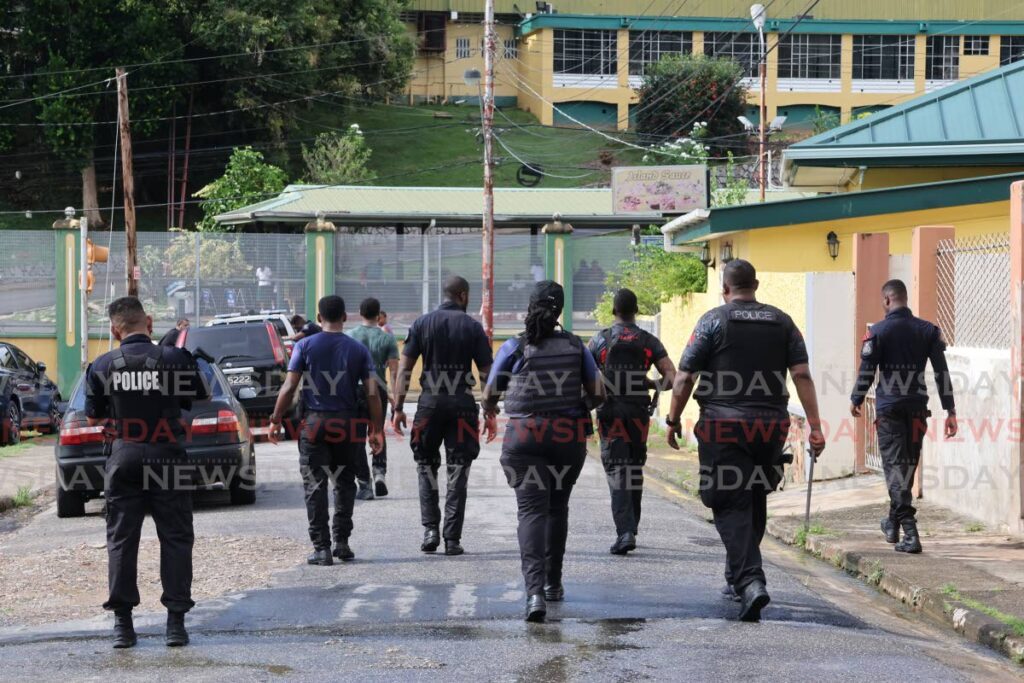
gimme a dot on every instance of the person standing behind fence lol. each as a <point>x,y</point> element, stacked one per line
<point>450,342</point>
<point>625,353</point>
<point>737,359</point>
<point>384,350</point>
<point>548,376</point>
<point>899,347</point>
<point>330,366</point>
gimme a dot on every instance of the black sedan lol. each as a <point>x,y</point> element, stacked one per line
<point>28,399</point>
<point>218,441</point>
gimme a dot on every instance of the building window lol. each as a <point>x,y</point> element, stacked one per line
<point>810,56</point>
<point>976,46</point>
<point>740,47</point>
<point>889,58</point>
<point>648,47</point>
<point>430,28</point>
<point>943,59</point>
<point>1011,49</point>
<point>590,51</point>
<point>511,49</point>
<point>462,50</point>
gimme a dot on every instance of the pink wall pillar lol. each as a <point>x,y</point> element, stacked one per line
<point>870,272</point>
<point>1017,317</point>
<point>924,299</point>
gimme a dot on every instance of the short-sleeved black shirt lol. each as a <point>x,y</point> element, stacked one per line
<point>742,351</point>
<point>449,341</point>
<point>649,341</point>
<point>310,328</point>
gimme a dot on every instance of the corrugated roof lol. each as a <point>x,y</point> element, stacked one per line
<point>361,204</point>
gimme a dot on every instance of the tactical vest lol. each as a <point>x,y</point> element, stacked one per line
<point>142,395</point>
<point>749,368</point>
<point>625,361</point>
<point>549,379</point>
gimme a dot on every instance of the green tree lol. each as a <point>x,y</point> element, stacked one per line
<point>656,276</point>
<point>680,90</point>
<point>336,159</point>
<point>824,120</point>
<point>246,180</point>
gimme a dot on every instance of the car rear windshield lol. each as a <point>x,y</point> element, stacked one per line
<point>214,380</point>
<point>223,342</point>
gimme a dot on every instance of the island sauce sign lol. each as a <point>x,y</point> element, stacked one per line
<point>668,189</point>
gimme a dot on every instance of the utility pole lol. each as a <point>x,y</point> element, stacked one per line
<point>758,15</point>
<point>128,178</point>
<point>83,227</point>
<point>184,171</point>
<point>487,306</point>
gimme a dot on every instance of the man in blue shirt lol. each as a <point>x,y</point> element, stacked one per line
<point>330,366</point>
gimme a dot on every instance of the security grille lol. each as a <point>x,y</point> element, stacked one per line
<point>974,291</point>
<point>872,456</point>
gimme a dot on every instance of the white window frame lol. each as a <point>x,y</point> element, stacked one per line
<point>810,57</point>
<point>942,63</point>
<point>875,56</point>
<point>462,48</point>
<point>586,52</point>
<point>742,48</point>
<point>977,46</point>
<point>1011,49</point>
<point>648,47</point>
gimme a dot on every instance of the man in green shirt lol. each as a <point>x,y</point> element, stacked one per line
<point>384,351</point>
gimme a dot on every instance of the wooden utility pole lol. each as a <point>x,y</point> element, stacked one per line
<point>128,178</point>
<point>184,171</point>
<point>487,305</point>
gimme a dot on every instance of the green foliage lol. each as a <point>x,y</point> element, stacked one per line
<point>336,159</point>
<point>824,120</point>
<point>23,497</point>
<point>246,180</point>
<point>656,276</point>
<point>681,90</point>
<point>726,189</point>
<point>221,257</point>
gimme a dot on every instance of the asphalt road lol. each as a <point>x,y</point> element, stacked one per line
<point>397,614</point>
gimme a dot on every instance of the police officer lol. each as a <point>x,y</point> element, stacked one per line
<point>137,392</point>
<point>330,366</point>
<point>737,358</point>
<point>450,342</point>
<point>302,327</point>
<point>547,375</point>
<point>625,354</point>
<point>898,347</point>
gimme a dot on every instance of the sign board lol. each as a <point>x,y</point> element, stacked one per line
<point>668,189</point>
<point>657,241</point>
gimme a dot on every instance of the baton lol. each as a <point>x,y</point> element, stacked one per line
<point>810,486</point>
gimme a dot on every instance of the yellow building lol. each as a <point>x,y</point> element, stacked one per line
<point>583,61</point>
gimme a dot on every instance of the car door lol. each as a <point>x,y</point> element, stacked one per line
<point>28,385</point>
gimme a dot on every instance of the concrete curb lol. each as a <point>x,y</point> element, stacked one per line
<point>974,625</point>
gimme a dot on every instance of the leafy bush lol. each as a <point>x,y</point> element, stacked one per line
<point>246,180</point>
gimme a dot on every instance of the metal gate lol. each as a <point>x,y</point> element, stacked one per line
<point>872,456</point>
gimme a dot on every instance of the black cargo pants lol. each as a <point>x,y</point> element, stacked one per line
<point>623,430</point>
<point>330,448</point>
<point>901,434</point>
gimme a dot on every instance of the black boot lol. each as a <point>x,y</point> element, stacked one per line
<point>536,609</point>
<point>431,539</point>
<point>364,492</point>
<point>752,601</point>
<point>911,542</point>
<point>124,630</point>
<point>729,593</point>
<point>177,636</point>
<point>453,548</point>
<point>321,557</point>
<point>891,531</point>
<point>623,544</point>
<point>380,486</point>
<point>554,592</point>
<point>342,551</point>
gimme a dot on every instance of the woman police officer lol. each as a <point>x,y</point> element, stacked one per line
<point>550,382</point>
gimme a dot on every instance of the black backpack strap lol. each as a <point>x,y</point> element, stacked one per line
<point>117,361</point>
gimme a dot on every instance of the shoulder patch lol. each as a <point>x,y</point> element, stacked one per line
<point>867,347</point>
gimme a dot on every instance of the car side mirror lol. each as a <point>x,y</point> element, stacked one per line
<point>40,367</point>
<point>246,393</point>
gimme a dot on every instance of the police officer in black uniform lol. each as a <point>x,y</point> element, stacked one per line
<point>737,358</point>
<point>625,354</point>
<point>450,342</point>
<point>898,347</point>
<point>137,392</point>
<point>549,380</point>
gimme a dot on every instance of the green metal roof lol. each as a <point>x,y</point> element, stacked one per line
<point>741,22</point>
<point>450,206</point>
<point>688,229</point>
<point>976,121</point>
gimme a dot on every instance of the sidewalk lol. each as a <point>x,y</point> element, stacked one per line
<point>27,466</point>
<point>967,578</point>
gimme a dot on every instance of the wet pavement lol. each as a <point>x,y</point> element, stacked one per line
<point>397,614</point>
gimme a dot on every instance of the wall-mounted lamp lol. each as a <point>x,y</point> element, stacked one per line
<point>832,239</point>
<point>705,255</point>
<point>726,255</point>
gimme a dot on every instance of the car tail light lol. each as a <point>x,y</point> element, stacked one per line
<point>275,344</point>
<point>76,436</point>
<point>225,421</point>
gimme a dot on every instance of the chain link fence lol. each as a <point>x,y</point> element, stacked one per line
<point>28,297</point>
<point>974,291</point>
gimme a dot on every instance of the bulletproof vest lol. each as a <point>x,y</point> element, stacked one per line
<point>549,379</point>
<point>625,360</point>
<point>749,369</point>
<point>141,395</point>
